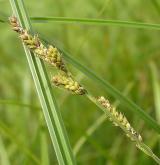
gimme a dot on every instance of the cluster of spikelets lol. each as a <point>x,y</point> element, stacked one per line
<point>49,54</point>
<point>119,119</point>
<point>69,84</point>
<point>64,79</point>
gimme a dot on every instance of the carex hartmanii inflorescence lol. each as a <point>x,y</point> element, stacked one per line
<point>51,55</point>
<point>64,79</point>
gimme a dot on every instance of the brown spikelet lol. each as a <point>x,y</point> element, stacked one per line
<point>15,25</point>
<point>49,54</point>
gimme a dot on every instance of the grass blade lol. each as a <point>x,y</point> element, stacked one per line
<point>156,90</point>
<point>3,18</point>
<point>52,115</point>
<point>156,5</point>
<point>3,154</point>
<point>98,22</point>
<point>6,131</point>
<point>88,133</point>
<point>44,149</point>
<point>18,103</point>
<point>104,22</point>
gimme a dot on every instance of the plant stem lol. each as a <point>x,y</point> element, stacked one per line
<point>87,21</point>
<point>143,147</point>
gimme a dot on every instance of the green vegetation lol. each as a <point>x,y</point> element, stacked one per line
<point>116,54</point>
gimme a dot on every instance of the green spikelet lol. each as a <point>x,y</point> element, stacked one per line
<point>69,84</point>
<point>119,120</point>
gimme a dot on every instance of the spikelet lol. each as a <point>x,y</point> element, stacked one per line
<point>49,54</point>
<point>15,25</point>
<point>119,119</point>
<point>68,83</point>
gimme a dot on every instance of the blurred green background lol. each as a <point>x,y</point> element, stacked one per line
<point>127,58</point>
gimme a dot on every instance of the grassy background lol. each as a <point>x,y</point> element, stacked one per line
<point>121,56</point>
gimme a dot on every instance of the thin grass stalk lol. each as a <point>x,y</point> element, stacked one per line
<point>52,115</point>
<point>18,103</point>
<point>88,133</point>
<point>4,154</point>
<point>156,89</point>
<point>4,130</point>
<point>156,4</point>
<point>98,22</point>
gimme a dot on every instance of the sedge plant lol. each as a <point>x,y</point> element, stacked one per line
<point>65,79</point>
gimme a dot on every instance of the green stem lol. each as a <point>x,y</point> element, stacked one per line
<point>87,21</point>
<point>143,147</point>
<point>18,103</point>
<point>6,131</point>
<point>88,133</point>
<point>98,22</point>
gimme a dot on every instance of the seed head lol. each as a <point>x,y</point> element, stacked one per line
<point>49,54</point>
<point>69,84</point>
<point>119,119</point>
